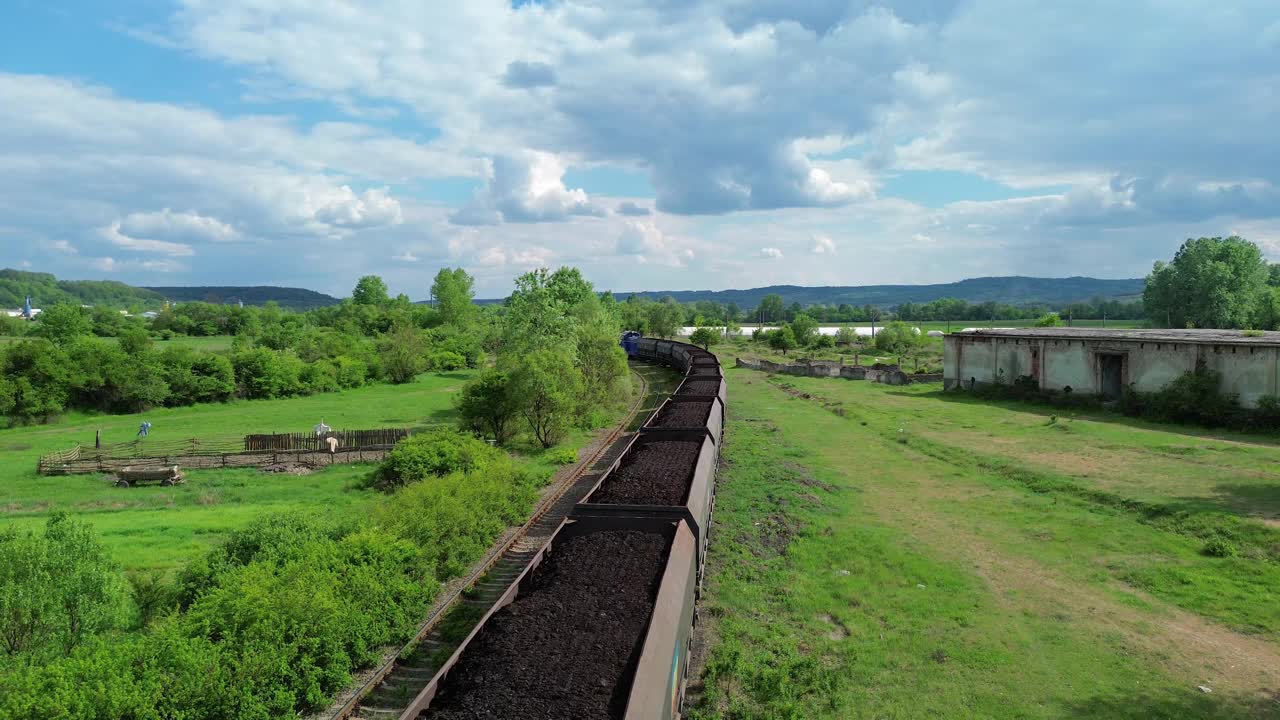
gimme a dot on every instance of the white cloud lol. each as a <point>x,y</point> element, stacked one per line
<point>170,225</point>
<point>161,247</point>
<point>527,187</point>
<point>644,241</point>
<point>406,256</point>
<point>770,252</point>
<point>823,245</point>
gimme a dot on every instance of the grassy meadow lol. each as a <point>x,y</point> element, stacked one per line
<point>214,343</point>
<point>886,552</point>
<point>155,527</point>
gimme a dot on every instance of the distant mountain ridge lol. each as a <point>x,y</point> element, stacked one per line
<point>1014,290</point>
<point>46,290</point>
<point>286,297</point>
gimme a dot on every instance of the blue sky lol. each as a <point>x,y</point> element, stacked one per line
<point>711,144</point>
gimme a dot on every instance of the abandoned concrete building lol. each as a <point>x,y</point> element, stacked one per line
<point>1103,362</point>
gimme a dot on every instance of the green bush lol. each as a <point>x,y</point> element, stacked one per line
<point>564,456</point>
<point>1220,547</point>
<point>319,377</point>
<point>445,361</point>
<point>456,517</point>
<point>57,589</point>
<point>486,406</point>
<point>352,373</point>
<point>434,453</point>
<point>262,373</point>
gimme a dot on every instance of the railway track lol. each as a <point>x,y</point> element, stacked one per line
<point>389,690</point>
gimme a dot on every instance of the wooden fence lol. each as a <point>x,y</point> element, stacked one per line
<point>383,437</point>
<point>250,451</point>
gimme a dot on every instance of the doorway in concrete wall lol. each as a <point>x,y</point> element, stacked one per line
<point>1111,369</point>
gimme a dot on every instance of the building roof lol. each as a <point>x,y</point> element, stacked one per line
<point>1195,337</point>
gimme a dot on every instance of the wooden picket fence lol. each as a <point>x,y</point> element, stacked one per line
<point>382,437</point>
<point>250,451</point>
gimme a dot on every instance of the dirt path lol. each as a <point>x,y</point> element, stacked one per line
<point>1202,652</point>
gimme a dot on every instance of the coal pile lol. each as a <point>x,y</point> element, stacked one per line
<point>682,415</point>
<point>569,644</point>
<point>700,387</point>
<point>653,473</point>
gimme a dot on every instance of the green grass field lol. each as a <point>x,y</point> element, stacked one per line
<point>887,552</point>
<point>161,527</point>
<point>216,343</point>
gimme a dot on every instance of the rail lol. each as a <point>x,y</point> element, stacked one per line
<point>492,558</point>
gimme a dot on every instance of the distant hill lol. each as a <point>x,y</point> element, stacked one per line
<point>1011,290</point>
<point>292,298</point>
<point>46,290</point>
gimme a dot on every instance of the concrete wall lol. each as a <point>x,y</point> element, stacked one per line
<point>1247,371</point>
<point>887,374</point>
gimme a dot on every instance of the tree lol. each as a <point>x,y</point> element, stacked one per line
<point>545,387</point>
<point>538,314</point>
<point>665,317</point>
<point>846,336</point>
<point>732,313</point>
<point>732,328</point>
<point>370,290</point>
<point>601,361</point>
<point>486,406</point>
<point>1052,319</point>
<point>134,341</point>
<point>453,291</point>
<point>56,589</point>
<point>783,339</point>
<point>803,327</point>
<point>402,352</point>
<point>705,337</point>
<point>898,338</point>
<point>771,309</point>
<point>1210,283</point>
<point>39,376</point>
<point>63,323</point>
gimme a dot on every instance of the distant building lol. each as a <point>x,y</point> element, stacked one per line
<point>1103,362</point>
<point>26,312</point>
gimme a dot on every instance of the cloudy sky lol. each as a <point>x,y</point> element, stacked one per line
<point>668,144</point>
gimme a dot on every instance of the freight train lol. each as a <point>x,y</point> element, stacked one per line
<point>598,625</point>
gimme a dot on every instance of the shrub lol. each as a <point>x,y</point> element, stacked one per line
<point>820,342</point>
<point>487,406</point>
<point>262,373</point>
<point>455,518</point>
<point>546,386</point>
<point>56,589</point>
<point>351,373</point>
<point>319,377</point>
<point>704,336</point>
<point>434,453</point>
<point>196,377</point>
<point>1219,547</point>
<point>564,456</point>
<point>445,360</point>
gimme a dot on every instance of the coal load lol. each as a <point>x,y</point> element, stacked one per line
<point>700,387</point>
<point>683,415</point>
<point>569,644</point>
<point>651,473</point>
